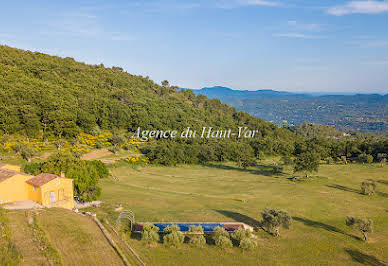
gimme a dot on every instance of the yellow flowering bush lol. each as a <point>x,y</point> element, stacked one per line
<point>136,160</point>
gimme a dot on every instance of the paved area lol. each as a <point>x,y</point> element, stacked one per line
<point>22,205</point>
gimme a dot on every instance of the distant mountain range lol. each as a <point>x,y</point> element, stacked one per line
<point>220,92</point>
<point>350,113</point>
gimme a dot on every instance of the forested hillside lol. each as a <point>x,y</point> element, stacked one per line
<point>61,97</point>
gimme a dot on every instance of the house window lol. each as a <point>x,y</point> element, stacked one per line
<point>7,200</point>
<point>58,182</point>
<point>1,201</point>
<point>34,189</point>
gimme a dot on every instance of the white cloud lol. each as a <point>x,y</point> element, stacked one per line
<point>359,7</point>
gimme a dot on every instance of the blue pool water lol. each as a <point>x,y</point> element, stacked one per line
<point>207,227</point>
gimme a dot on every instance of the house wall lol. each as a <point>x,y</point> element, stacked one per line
<point>63,193</point>
<point>34,194</point>
<point>14,189</point>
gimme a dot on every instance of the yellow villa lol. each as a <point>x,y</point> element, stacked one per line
<point>46,189</point>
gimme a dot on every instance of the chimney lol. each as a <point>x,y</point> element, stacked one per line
<point>62,174</point>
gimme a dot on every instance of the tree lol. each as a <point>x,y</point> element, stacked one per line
<point>27,153</point>
<point>222,238</point>
<point>219,231</point>
<point>382,158</point>
<point>173,236</point>
<point>223,242</point>
<point>368,187</point>
<point>150,233</point>
<point>307,162</point>
<point>274,219</point>
<point>117,140</point>
<point>365,158</point>
<point>363,225</point>
<point>247,244</point>
<point>244,156</point>
<point>86,175</point>
<point>241,234</point>
<point>165,83</point>
<point>197,238</point>
<point>59,144</point>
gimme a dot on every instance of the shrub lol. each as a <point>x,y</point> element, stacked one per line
<point>368,187</point>
<point>150,233</point>
<point>248,244</point>
<point>241,234</point>
<point>223,242</point>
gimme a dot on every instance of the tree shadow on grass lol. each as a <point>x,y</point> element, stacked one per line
<point>348,189</point>
<point>327,227</point>
<point>382,182</point>
<point>238,217</point>
<point>362,258</point>
<point>382,194</point>
<point>265,170</point>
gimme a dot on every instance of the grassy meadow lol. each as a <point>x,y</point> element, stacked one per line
<point>222,192</point>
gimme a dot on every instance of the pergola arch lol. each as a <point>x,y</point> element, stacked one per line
<point>128,215</point>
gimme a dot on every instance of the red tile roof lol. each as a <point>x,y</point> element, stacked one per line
<point>41,179</point>
<point>6,173</point>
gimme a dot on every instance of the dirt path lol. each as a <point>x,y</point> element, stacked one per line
<point>95,154</point>
<point>23,238</point>
<point>131,255</point>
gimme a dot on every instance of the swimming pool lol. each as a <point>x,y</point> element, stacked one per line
<point>184,227</point>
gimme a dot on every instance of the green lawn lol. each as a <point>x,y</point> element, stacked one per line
<point>225,193</point>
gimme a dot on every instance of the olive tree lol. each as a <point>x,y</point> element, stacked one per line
<point>307,162</point>
<point>222,238</point>
<point>363,225</point>
<point>150,233</point>
<point>59,144</point>
<point>368,187</point>
<point>241,234</point>
<point>247,244</point>
<point>274,219</point>
<point>197,238</point>
<point>173,236</point>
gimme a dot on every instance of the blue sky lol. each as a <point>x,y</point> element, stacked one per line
<point>291,45</point>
